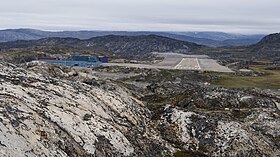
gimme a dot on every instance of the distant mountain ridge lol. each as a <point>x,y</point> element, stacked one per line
<point>203,38</point>
<point>219,36</point>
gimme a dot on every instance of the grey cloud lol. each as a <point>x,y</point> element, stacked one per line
<point>239,16</point>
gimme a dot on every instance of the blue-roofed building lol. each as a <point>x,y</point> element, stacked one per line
<point>92,58</point>
<point>77,60</point>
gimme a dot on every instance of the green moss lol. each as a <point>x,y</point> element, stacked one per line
<point>269,80</point>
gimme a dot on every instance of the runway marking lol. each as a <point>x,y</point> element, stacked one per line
<point>199,67</point>
<point>179,63</point>
<point>190,64</point>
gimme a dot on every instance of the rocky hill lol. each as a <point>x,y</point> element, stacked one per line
<point>125,46</point>
<point>268,43</point>
<point>49,110</point>
<point>46,116</point>
<point>203,38</point>
<point>139,45</point>
<point>268,46</point>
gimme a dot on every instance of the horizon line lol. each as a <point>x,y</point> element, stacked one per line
<point>166,31</point>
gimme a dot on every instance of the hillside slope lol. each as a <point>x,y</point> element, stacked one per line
<point>49,110</point>
<point>268,46</point>
<point>45,116</point>
<point>268,43</point>
<point>128,46</point>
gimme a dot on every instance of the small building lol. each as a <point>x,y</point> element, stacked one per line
<point>76,60</point>
<point>91,58</point>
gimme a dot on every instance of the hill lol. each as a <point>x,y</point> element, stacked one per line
<point>204,38</point>
<point>268,43</point>
<point>268,46</point>
<point>125,46</point>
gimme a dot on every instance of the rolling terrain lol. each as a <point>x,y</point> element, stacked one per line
<point>203,38</point>
<point>269,44</point>
<point>267,49</point>
<point>140,48</point>
<point>51,110</point>
<point>124,46</point>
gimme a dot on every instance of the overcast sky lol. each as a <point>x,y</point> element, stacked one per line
<point>237,16</point>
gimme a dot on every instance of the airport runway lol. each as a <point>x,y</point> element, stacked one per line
<point>180,62</point>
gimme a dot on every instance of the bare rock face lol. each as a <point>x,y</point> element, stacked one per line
<point>48,110</point>
<point>44,116</point>
<point>257,136</point>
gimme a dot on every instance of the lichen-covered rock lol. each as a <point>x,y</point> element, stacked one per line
<point>44,116</point>
<point>47,110</point>
<point>258,136</point>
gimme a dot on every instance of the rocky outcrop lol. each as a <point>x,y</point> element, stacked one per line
<point>45,116</point>
<point>206,135</point>
<point>49,110</point>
